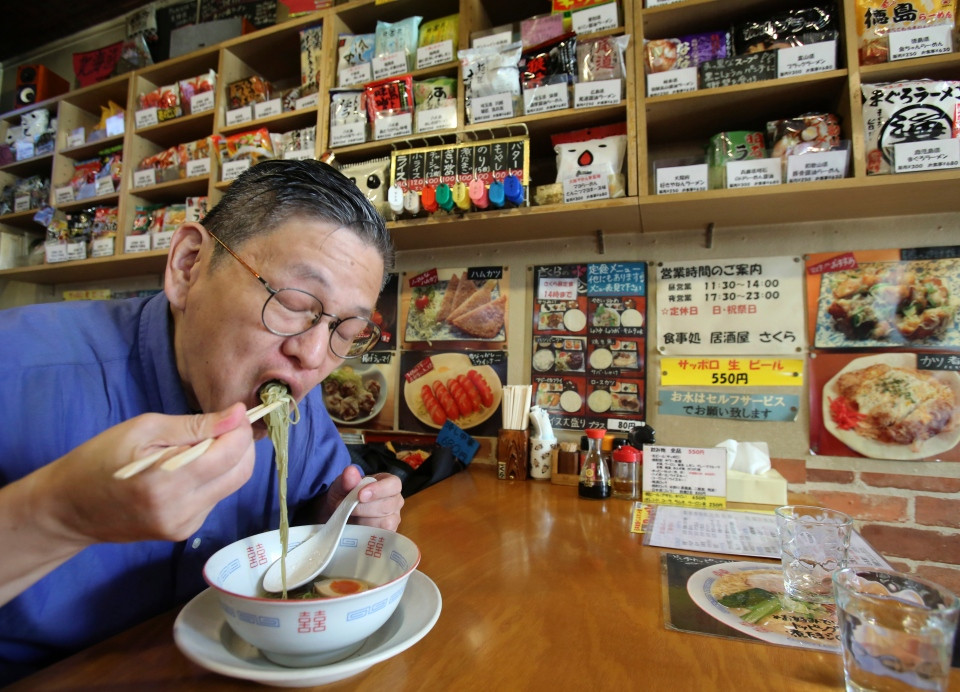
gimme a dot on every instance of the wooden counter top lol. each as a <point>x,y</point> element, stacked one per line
<point>541,591</point>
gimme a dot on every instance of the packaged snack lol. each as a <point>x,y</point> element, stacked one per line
<point>489,72</point>
<point>353,50</point>
<point>372,177</point>
<point>541,28</point>
<point>173,217</point>
<point>143,219</point>
<point>165,99</point>
<point>104,223</point>
<point>111,160</point>
<point>196,208</point>
<point>738,69</point>
<point>599,59</point>
<point>435,92</point>
<point>877,18</point>
<point>166,163</point>
<point>592,151</point>
<point>398,37</point>
<point>440,30</point>
<point>808,133</point>
<point>552,62</point>
<point>794,27</point>
<point>198,150</point>
<point>911,111</point>
<point>243,92</point>
<point>348,107</point>
<point>661,55</point>
<point>254,145</point>
<point>84,178</point>
<point>198,85</point>
<point>738,145</point>
<point>391,96</point>
<point>311,57</point>
<point>297,144</point>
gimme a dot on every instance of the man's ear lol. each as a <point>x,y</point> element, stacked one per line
<point>183,262</point>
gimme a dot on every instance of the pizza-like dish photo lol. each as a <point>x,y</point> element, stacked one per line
<point>890,303</point>
<point>884,407</point>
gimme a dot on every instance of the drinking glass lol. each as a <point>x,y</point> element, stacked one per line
<point>813,545</point>
<point>896,630</point>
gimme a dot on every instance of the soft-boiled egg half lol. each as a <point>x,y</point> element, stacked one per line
<point>340,586</point>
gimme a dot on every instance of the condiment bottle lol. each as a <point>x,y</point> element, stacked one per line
<point>594,476</point>
<point>626,472</point>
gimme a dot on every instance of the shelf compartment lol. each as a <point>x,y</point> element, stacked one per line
<point>94,269</point>
<point>850,198</point>
<point>37,165</point>
<point>489,228</point>
<point>695,16</point>
<point>186,128</point>
<point>172,189</point>
<point>101,201</point>
<point>284,122</point>
<point>946,66</point>
<point>21,219</point>
<point>88,150</point>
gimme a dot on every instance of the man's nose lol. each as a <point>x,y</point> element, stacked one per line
<point>312,348</point>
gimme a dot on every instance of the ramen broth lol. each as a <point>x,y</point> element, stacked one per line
<point>325,587</point>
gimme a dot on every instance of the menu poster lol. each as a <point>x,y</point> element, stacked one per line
<point>461,307</point>
<point>889,405</point>
<point>891,299</point>
<point>589,342</point>
<point>732,306</point>
<point>463,388</point>
<point>361,393</point>
<point>385,315</point>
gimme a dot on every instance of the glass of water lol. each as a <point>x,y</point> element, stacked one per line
<point>896,630</point>
<point>814,542</point>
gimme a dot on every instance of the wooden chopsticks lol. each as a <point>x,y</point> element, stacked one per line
<point>188,455</point>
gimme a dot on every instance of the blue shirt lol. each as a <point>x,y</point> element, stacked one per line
<point>71,370</point>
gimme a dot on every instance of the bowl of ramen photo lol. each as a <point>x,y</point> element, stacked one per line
<point>325,620</point>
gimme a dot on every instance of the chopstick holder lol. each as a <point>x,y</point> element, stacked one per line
<point>512,454</point>
<point>188,455</point>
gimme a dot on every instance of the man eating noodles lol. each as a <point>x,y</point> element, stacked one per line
<point>277,283</point>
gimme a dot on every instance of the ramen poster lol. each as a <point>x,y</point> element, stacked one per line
<point>885,362</point>
<point>589,344</point>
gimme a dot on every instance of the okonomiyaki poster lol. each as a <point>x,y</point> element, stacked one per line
<point>885,367</point>
<point>589,344</point>
<point>458,308</point>
<point>730,307</point>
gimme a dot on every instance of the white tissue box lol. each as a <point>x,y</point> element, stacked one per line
<point>768,488</point>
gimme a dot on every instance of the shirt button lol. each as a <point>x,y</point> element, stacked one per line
<point>195,544</point>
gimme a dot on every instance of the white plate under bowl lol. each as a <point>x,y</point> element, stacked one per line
<point>203,635</point>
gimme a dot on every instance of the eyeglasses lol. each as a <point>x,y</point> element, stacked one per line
<point>290,311</point>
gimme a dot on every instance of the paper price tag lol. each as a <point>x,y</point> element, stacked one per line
<point>145,178</point>
<point>239,115</point>
<point>115,125</point>
<point>685,476</point>
<point>932,155</point>
<point>136,243</point>
<point>672,82</point>
<point>146,118</point>
<point>298,155</point>
<point>754,173</point>
<point>63,195</point>
<point>105,186</point>
<point>198,167</point>
<point>75,139</point>
<point>161,240</point>
<point>355,75</point>
<point>676,179</point>
<point>202,102</point>
<point>504,38</point>
<point>915,43</point>
<point>389,65</point>
<point>267,108</point>
<point>305,102</point>
<point>444,118</point>
<point>21,204</point>
<point>809,59</point>
<point>393,126</point>
<point>232,170</point>
<point>464,447</point>
<point>24,150</point>
<point>597,18</point>
<point>435,54</point>
<point>659,3</point>
<point>586,188</point>
<point>55,253</point>
<point>486,108</point>
<point>820,165</point>
<point>593,94</point>
<point>102,247</point>
<point>552,97</point>
<point>76,251</point>
<point>345,135</point>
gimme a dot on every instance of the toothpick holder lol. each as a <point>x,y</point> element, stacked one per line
<point>512,454</point>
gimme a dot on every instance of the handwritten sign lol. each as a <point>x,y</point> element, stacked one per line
<point>459,441</point>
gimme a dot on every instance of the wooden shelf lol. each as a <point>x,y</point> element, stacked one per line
<point>89,149</point>
<point>32,166</point>
<point>694,16</point>
<point>946,66</point>
<point>171,189</point>
<point>282,122</point>
<point>186,128</point>
<point>98,269</point>
<point>102,200</point>
<point>21,219</point>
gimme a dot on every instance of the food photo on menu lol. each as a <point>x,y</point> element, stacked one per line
<point>361,393</point>
<point>465,389</point>
<point>455,305</point>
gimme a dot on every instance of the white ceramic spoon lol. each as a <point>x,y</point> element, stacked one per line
<point>308,559</point>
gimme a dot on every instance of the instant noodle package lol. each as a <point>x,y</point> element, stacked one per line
<point>878,18</point>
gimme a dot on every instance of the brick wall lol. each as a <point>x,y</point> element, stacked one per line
<point>913,521</point>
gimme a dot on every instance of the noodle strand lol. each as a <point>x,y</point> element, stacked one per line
<point>278,424</point>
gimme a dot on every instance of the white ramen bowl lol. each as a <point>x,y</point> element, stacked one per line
<point>312,632</point>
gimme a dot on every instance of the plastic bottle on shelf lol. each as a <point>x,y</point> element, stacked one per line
<point>395,200</point>
<point>444,197</point>
<point>478,194</point>
<point>495,194</point>
<point>411,203</point>
<point>595,475</point>
<point>428,199</point>
<point>461,196</point>
<point>513,190</point>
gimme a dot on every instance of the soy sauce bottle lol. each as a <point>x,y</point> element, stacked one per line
<point>594,474</point>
